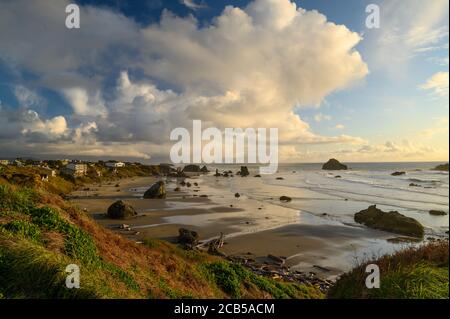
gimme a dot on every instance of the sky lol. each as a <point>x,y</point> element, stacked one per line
<point>135,70</point>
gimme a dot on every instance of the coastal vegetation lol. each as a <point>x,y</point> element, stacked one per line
<point>413,273</point>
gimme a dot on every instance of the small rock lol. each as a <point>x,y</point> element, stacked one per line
<point>437,212</point>
<point>285,199</point>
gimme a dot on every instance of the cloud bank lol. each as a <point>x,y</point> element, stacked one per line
<point>128,86</point>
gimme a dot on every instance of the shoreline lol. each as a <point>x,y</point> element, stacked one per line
<point>254,227</point>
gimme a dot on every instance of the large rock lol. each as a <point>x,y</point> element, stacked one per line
<point>157,190</point>
<point>192,168</point>
<point>166,169</point>
<point>244,171</point>
<point>435,212</point>
<point>333,164</point>
<point>391,221</point>
<point>204,169</point>
<point>398,173</point>
<point>187,237</point>
<point>121,210</point>
<point>442,167</point>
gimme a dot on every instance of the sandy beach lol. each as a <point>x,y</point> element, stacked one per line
<point>256,224</point>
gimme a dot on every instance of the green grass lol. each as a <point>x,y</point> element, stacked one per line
<point>16,200</point>
<point>414,273</point>
<point>28,270</point>
<point>232,278</point>
<point>422,281</point>
<point>24,229</point>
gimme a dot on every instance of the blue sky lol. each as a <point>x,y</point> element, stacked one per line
<point>125,76</point>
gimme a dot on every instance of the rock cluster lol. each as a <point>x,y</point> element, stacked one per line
<point>280,271</point>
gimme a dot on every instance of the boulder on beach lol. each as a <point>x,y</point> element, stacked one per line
<point>192,168</point>
<point>435,212</point>
<point>204,169</point>
<point>244,171</point>
<point>285,199</point>
<point>442,167</point>
<point>257,175</point>
<point>166,169</point>
<point>157,190</point>
<point>391,221</point>
<point>237,195</point>
<point>333,164</point>
<point>398,173</point>
<point>121,210</point>
<point>188,238</point>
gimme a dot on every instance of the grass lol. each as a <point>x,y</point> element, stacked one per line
<point>24,229</point>
<point>414,273</point>
<point>236,280</point>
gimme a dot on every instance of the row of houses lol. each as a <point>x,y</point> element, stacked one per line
<point>75,169</point>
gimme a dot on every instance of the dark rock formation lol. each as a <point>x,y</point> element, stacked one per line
<point>437,212</point>
<point>391,221</point>
<point>285,199</point>
<point>192,168</point>
<point>333,164</point>
<point>157,190</point>
<point>398,173</point>
<point>280,178</point>
<point>121,210</point>
<point>204,169</point>
<point>257,175</point>
<point>442,167</point>
<point>237,195</point>
<point>187,238</point>
<point>244,171</point>
<point>166,169</point>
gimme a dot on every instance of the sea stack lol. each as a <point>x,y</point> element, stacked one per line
<point>333,164</point>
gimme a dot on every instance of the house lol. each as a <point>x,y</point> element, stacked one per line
<point>48,171</point>
<point>44,177</point>
<point>75,169</point>
<point>115,164</point>
<point>4,162</point>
